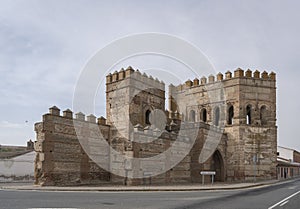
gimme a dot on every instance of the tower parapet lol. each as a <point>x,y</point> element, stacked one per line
<point>136,75</point>
<point>68,114</point>
<point>228,75</point>
<point>272,76</point>
<point>196,82</point>
<point>54,110</point>
<point>238,74</point>
<point>256,74</point>
<point>203,80</point>
<point>219,77</point>
<point>248,73</point>
<point>211,78</point>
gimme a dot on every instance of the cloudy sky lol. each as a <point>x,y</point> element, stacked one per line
<point>44,45</point>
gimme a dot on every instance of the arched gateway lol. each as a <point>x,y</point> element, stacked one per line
<point>217,164</point>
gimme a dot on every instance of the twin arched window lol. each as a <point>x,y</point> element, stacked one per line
<point>203,116</point>
<point>262,115</point>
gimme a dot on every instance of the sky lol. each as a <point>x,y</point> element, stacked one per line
<point>45,45</point>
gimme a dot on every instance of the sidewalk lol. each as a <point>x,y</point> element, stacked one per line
<point>190,187</point>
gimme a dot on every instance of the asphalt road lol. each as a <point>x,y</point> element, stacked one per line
<point>279,196</point>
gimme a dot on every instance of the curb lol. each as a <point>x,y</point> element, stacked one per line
<point>139,189</point>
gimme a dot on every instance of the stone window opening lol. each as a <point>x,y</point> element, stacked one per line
<point>263,113</point>
<point>203,115</point>
<point>192,116</point>
<point>147,117</point>
<point>217,116</point>
<point>248,115</point>
<point>230,115</point>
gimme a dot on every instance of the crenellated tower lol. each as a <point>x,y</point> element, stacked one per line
<point>244,105</point>
<point>130,99</point>
<point>251,124</point>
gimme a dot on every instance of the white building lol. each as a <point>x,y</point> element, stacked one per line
<point>288,163</point>
<point>20,168</point>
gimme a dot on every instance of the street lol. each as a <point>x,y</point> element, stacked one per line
<point>281,195</point>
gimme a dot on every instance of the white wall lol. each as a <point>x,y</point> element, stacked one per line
<point>285,153</point>
<point>19,166</point>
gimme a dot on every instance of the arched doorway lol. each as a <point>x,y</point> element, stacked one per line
<point>218,166</point>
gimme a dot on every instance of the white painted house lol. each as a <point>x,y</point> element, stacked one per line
<point>20,168</point>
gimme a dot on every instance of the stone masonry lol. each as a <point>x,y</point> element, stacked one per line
<point>229,123</point>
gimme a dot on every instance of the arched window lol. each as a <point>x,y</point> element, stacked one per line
<point>203,115</point>
<point>217,116</point>
<point>192,116</point>
<point>248,114</point>
<point>230,115</point>
<point>263,115</point>
<point>147,117</point>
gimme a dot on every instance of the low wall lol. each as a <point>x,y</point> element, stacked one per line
<point>20,168</point>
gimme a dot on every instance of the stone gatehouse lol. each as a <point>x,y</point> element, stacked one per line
<point>225,124</point>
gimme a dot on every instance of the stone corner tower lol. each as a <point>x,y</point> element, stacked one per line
<point>250,125</point>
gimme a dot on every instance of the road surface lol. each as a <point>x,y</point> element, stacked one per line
<point>279,196</point>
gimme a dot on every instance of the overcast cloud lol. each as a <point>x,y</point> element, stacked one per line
<point>44,45</point>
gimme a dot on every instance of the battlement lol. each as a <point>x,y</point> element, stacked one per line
<point>136,75</point>
<point>237,74</point>
<point>68,114</point>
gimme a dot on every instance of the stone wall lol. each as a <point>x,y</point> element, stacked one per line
<point>227,122</point>
<point>60,158</point>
